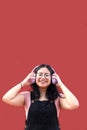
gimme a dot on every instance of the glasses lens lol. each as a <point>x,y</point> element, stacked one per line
<point>46,75</point>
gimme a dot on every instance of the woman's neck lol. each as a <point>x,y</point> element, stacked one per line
<point>42,93</point>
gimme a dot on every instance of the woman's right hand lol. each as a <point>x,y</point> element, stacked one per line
<point>29,79</point>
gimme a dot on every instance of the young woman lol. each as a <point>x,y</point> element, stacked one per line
<point>43,103</point>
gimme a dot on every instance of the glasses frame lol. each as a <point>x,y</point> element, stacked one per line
<point>46,75</point>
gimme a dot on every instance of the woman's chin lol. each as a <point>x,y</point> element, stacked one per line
<point>43,85</point>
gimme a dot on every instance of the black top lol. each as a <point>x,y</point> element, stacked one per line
<point>42,115</point>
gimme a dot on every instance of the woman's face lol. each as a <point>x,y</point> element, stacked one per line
<point>43,78</point>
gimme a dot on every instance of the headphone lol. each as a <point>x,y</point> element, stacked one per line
<point>54,80</point>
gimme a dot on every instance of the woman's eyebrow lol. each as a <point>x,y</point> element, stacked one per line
<point>44,73</point>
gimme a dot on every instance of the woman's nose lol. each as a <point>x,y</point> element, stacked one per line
<point>43,76</point>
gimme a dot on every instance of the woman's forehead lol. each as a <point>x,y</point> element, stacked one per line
<point>44,69</point>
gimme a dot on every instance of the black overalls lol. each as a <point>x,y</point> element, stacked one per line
<point>42,115</point>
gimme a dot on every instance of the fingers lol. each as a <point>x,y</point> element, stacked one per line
<point>32,74</point>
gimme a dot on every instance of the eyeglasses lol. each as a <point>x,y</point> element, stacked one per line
<point>46,75</point>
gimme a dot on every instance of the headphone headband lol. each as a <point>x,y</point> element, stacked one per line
<point>40,65</point>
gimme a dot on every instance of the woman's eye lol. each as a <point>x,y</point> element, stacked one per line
<point>47,75</point>
<point>39,74</point>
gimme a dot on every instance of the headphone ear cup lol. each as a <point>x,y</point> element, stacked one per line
<point>54,80</point>
<point>33,79</point>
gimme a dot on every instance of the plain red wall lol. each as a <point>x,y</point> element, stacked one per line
<point>52,32</point>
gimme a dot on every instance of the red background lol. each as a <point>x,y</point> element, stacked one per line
<point>35,32</point>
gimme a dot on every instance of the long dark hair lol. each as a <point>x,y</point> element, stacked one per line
<point>52,92</point>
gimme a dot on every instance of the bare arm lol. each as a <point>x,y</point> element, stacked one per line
<point>13,96</point>
<point>69,101</point>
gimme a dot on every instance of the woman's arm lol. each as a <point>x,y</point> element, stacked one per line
<point>13,96</point>
<point>69,100</point>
